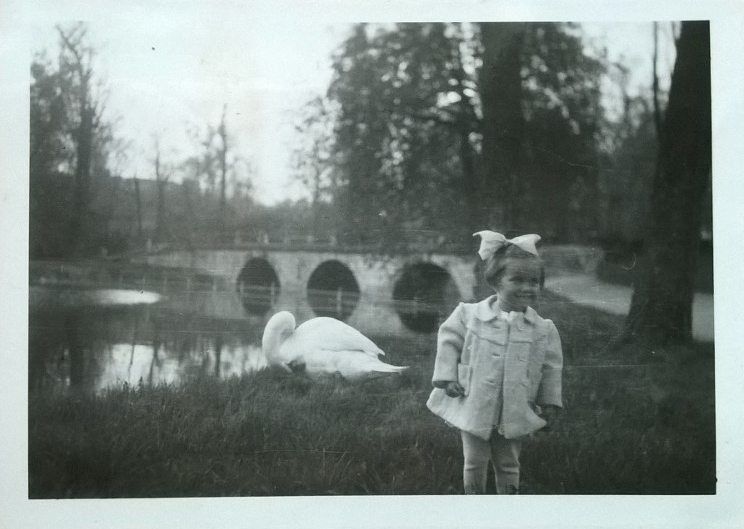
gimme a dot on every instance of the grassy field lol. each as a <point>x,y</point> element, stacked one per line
<point>635,422</point>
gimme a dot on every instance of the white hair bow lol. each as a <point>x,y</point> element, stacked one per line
<point>492,241</point>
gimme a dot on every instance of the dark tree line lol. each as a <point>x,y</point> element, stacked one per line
<point>449,128</point>
<point>444,128</point>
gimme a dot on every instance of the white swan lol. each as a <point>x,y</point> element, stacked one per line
<point>322,345</point>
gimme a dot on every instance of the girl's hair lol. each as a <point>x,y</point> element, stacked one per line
<point>496,264</point>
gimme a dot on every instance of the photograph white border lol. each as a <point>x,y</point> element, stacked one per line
<point>725,509</point>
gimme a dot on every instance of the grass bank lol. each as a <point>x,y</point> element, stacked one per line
<point>634,423</point>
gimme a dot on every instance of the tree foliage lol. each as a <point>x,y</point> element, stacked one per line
<point>70,147</point>
<point>313,160</point>
<point>627,165</point>
<point>431,137</point>
<point>562,111</point>
<point>400,93</point>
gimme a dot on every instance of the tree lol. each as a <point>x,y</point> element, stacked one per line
<point>221,151</point>
<point>220,169</point>
<point>561,83</point>
<point>405,118</point>
<point>627,172</point>
<point>312,160</point>
<point>70,147</point>
<point>76,61</point>
<point>503,121</point>
<point>50,196</point>
<point>447,128</point>
<point>162,176</point>
<point>541,105</point>
<point>661,307</point>
<point>110,193</point>
<point>138,207</point>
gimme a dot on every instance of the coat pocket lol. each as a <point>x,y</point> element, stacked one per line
<point>464,374</point>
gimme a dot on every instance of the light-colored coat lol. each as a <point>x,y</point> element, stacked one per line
<point>520,360</point>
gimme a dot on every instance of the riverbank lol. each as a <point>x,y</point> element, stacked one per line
<point>631,426</point>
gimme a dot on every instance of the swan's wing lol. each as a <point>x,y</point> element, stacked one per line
<point>334,335</point>
<point>352,365</point>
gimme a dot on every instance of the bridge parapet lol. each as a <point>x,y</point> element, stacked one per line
<point>302,245</point>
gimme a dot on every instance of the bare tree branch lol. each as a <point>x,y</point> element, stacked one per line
<point>655,84</point>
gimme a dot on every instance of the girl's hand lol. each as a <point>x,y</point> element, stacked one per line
<point>454,389</point>
<point>550,414</point>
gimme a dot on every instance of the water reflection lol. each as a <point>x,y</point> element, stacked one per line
<point>75,297</point>
<point>99,344</point>
<point>135,364</point>
<point>123,297</point>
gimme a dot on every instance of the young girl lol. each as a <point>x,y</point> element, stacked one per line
<point>497,374</point>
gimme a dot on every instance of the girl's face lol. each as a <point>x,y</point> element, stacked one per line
<point>519,284</point>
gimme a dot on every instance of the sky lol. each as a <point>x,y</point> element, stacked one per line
<point>168,75</point>
<point>169,72</point>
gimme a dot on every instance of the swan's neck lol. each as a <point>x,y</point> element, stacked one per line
<point>278,329</point>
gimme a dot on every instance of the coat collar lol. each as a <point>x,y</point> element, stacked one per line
<point>485,312</point>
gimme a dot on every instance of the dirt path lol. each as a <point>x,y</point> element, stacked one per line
<point>588,290</point>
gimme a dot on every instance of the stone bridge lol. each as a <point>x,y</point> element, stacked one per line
<point>373,292</point>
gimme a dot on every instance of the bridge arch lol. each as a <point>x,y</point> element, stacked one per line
<point>332,290</point>
<point>258,285</point>
<point>423,296</point>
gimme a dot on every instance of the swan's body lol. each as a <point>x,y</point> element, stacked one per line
<point>322,346</point>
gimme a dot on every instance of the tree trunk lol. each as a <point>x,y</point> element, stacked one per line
<point>76,355</point>
<point>223,179</point>
<point>111,210</point>
<point>316,204</point>
<point>78,62</point>
<point>470,185</point>
<point>138,203</point>
<point>466,120</point>
<point>503,122</point>
<point>223,172</point>
<point>661,309</point>
<point>161,181</point>
<point>160,219</point>
<point>190,207</point>
<point>82,169</point>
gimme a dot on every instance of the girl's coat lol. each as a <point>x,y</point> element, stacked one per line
<point>485,354</point>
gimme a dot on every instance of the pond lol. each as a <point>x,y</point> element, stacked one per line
<point>94,339</point>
